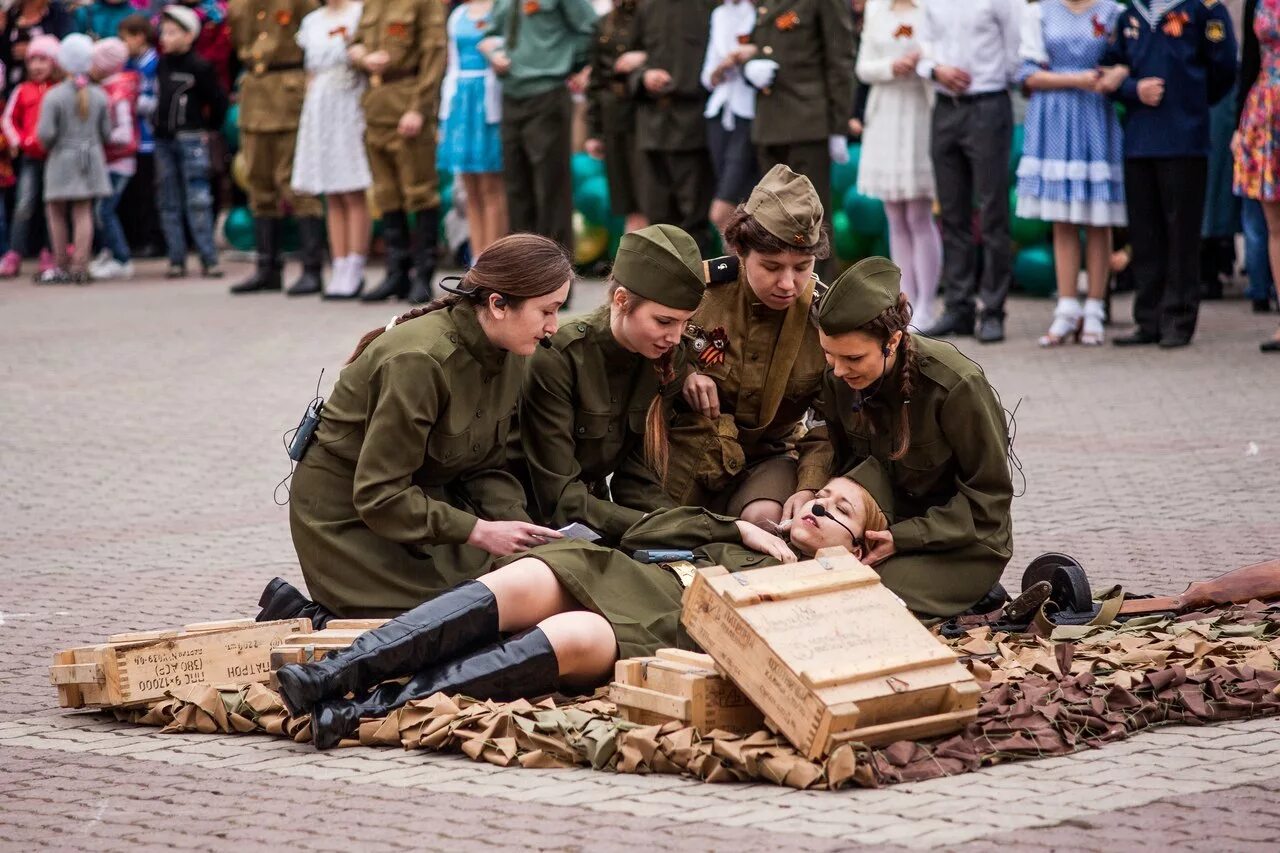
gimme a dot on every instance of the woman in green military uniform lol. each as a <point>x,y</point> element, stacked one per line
<point>587,399</point>
<point>917,424</point>
<point>577,607</point>
<point>403,493</point>
<point>740,448</point>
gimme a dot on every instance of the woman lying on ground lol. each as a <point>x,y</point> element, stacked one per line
<point>573,610</point>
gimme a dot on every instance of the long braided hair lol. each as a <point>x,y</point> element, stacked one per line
<point>896,318</point>
<point>517,267</point>
<point>656,445</point>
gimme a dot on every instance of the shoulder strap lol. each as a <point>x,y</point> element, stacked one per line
<point>789,341</point>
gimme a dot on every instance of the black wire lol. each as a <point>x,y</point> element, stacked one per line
<point>287,438</point>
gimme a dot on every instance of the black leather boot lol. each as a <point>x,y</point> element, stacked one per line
<point>426,230</point>
<point>522,666</point>
<point>395,233</point>
<point>444,627</point>
<point>266,274</point>
<point>311,234</point>
<point>282,600</point>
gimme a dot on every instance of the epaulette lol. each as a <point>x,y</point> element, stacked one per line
<point>721,270</point>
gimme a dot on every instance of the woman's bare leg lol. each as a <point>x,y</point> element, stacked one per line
<point>336,219</point>
<point>527,592</point>
<point>496,224</point>
<point>586,648</point>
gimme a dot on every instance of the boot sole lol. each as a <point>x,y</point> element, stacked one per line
<point>291,691</point>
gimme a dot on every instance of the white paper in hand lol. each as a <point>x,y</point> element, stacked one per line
<point>580,531</point>
<point>760,72</point>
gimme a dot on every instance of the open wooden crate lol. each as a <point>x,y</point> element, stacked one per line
<point>829,654</point>
<point>684,686</point>
<point>141,667</point>
<point>310,645</point>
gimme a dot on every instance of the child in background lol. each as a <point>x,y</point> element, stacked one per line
<point>121,86</point>
<point>73,128</point>
<point>19,122</point>
<point>142,226</point>
<point>191,103</point>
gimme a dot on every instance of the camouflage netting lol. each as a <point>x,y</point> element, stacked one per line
<point>1081,688</point>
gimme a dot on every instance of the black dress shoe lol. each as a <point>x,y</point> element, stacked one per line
<point>1262,306</point>
<point>1175,342</point>
<point>1136,339</point>
<point>951,323</point>
<point>1272,345</point>
<point>991,330</point>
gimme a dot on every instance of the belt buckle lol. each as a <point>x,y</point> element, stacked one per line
<point>682,569</point>
<point>259,68</point>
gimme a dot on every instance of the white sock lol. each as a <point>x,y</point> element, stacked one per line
<point>339,283</point>
<point>355,268</point>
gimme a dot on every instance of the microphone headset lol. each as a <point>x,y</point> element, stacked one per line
<point>863,399</point>
<point>821,512</point>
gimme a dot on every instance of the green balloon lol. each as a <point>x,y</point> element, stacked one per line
<point>844,176</point>
<point>1026,232</point>
<point>231,127</point>
<point>592,199</point>
<point>1033,271</point>
<point>846,242</point>
<point>1015,151</point>
<point>866,215</point>
<point>584,167</point>
<point>238,229</point>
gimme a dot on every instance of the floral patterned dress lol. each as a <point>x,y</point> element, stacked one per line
<point>1257,147</point>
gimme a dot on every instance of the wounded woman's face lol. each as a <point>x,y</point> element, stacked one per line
<point>842,524</point>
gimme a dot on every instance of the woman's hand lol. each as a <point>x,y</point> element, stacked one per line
<point>377,61</point>
<point>1087,81</point>
<point>410,124</point>
<point>882,547</point>
<point>504,538</point>
<point>796,502</point>
<point>766,543</point>
<point>701,393</point>
<point>630,61</point>
<point>1110,79</point>
<point>1151,91</point>
<point>595,148</point>
<point>905,65</point>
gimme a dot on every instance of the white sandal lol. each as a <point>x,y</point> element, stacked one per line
<point>1092,333</point>
<point>1066,323</point>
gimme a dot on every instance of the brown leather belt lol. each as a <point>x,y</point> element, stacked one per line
<point>263,68</point>
<point>391,75</point>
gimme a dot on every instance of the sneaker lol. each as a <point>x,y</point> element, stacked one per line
<point>47,262</point>
<point>101,258</point>
<point>211,270</point>
<point>111,268</point>
<point>10,265</point>
<point>53,275</point>
<point>80,276</point>
<point>176,271</point>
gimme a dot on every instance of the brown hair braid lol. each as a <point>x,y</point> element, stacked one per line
<point>518,267</point>
<point>655,422</point>
<point>896,318</point>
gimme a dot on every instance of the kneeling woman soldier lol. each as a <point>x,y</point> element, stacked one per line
<point>403,494</point>
<point>740,450</point>
<point>920,428</point>
<point>588,398</point>
<point>578,607</point>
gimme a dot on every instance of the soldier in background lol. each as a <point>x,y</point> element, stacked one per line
<point>803,68</point>
<point>671,40</point>
<point>611,114</point>
<point>271,93</point>
<point>400,44</point>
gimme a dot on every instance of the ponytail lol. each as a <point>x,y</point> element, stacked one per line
<point>82,96</point>
<point>372,335</point>
<point>656,443</point>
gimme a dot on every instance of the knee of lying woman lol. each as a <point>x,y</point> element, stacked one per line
<point>585,645</point>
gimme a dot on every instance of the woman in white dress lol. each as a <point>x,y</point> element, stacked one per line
<point>896,166</point>
<point>329,159</point>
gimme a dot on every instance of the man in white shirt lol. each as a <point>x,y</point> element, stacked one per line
<point>969,48</point>
<point>731,107</point>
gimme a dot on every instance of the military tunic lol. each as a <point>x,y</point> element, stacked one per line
<point>677,185</point>
<point>643,601</point>
<point>734,339</point>
<point>265,36</point>
<point>582,419</point>
<point>409,452</point>
<point>412,32</point>
<point>611,114</point>
<point>810,99</point>
<point>948,499</point>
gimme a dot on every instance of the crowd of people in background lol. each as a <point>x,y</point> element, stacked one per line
<point>1149,139</point>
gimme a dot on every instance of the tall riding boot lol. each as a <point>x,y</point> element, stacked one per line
<point>446,626</point>
<point>266,274</point>
<point>395,233</point>
<point>425,233</point>
<point>311,231</point>
<point>282,600</point>
<point>521,666</point>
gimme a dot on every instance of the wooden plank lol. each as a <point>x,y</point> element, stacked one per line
<point>697,659</point>
<point>143,636</point>
<point>641,698</point>
<point>912,729</point>
<point>789,588</point>
<point>345,636</point>
<point>360,624</point>
<point>69,695</point>
<point>76,673</point>
<point>205,627</point>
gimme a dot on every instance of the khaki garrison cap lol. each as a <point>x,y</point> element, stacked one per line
<point>662,263</point>
<point>861,293</point>
<point>788,207</point>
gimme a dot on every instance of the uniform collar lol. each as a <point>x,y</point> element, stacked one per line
<point>474,340</point>
<point>600,333</point>
<point>752,304</point>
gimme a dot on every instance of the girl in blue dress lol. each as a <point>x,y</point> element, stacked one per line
<point>1072,168</point>
<point>470,115</point>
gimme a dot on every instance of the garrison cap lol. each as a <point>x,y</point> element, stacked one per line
<point>862,293</point>
<point>788,207</point>
<point>662,263</point>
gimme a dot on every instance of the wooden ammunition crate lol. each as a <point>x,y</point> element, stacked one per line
<point>829,654</point>
<point>140,667</point>
<point>684,686</point>
<point>315,645</point>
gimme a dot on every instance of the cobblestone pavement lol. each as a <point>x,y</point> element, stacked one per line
<point>140,441</point>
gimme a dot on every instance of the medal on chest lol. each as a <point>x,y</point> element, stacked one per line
<point>787,21</point>
<point>340,32</point>
<point>1099,27</point>
<point>709,347</point>
<point>1175,23</point>
<point>904,31</point>
<point>283,17</point>
<point>532,7</point>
